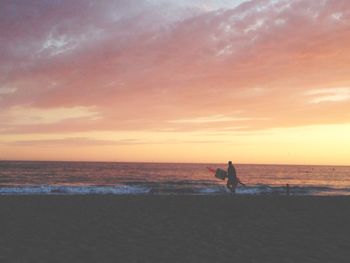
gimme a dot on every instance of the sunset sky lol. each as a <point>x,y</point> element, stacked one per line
<point>261,81</point>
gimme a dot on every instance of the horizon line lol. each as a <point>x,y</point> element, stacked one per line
<point>160,162</point>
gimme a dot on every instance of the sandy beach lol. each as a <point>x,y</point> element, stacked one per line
<point>174,229</point>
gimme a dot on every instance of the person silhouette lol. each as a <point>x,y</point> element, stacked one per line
<point>232,179</point>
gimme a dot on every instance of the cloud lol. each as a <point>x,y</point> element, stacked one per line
<point>7,90</point>
<point>57,45</point>
<point>329,95</point>
<point>73,141</point>
<point>138,64</point>
<point>212,119</point>
<point>35,116</point>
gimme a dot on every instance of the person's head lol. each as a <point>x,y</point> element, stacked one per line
<point>230,163</point>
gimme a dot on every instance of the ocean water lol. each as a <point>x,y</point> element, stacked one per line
<point>82,178</point>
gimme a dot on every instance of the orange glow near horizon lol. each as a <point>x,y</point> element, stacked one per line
<point>176,81</point>
<point>302,145</point>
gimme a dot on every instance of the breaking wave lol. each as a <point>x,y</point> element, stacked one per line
<point>173,189</point>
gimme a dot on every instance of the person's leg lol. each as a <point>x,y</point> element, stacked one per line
<point>233,186</point>
<point>229,185</point>
<point>233,189</point>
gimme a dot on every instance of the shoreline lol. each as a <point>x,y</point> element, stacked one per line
<point>158,189</point>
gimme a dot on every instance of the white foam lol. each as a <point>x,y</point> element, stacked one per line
<point>74,190</point>
<point>213,190</point>
<point>164,189</point>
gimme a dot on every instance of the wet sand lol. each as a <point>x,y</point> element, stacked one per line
<point>174,229</point>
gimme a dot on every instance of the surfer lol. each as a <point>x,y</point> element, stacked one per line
<point>233,180</point>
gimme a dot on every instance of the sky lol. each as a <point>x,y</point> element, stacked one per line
<point>260,81</point>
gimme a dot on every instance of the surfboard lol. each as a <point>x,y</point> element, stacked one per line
<point>220,173</point>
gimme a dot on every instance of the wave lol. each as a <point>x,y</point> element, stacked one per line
<point>278,190</point>
<point>74,190</point>
<point>168,189</point>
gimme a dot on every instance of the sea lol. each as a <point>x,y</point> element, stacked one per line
<point>108,178</point>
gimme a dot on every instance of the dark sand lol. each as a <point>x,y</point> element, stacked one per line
<point>174,229</point>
